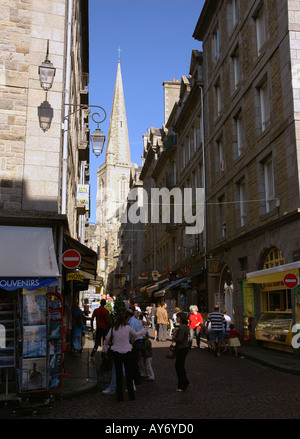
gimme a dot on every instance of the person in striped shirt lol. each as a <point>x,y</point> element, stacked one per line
<point>218,323</point>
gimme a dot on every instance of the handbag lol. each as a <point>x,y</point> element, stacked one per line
<point>107,357</point>
<point>171,354</point>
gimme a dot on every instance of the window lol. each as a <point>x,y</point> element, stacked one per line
<point>218,99</point>
<point>260,29</point>
<point>188,149</point>
<point>274,259</point>
<point>220,158</point>
<point>200,175</point>
<point>222,216</point>
<point>242,199</point>
<point>216,43</point>
<point>232,14</point>
<point>183,156</point>
<point>123,187</point>
<point>264,103</point>
<point>269,184</point>
<point>236,67</point>
<point>194,139</point>
<point>235,11</point>
<point>238,135</point>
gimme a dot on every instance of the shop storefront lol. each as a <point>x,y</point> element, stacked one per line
<point>279,304</point>
<point>173,294</point>
<point>31,312</point>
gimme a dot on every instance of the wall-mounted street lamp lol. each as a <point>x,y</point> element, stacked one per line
<point>97,138</point>
<point>46,72</point>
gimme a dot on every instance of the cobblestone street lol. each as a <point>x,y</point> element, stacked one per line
<point>221,388</point>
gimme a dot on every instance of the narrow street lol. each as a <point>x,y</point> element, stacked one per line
<point>221,388</point>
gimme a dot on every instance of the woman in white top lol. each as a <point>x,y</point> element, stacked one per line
<point>121,349</point>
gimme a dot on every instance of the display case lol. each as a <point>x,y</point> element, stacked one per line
<point>7,325</point>
<point>274,329</point>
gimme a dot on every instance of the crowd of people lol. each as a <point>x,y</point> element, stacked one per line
<point>128,339</point>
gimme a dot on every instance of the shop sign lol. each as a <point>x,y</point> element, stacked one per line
<point>187,284</point>
<point>75,276</point>
<point>83,195</point>
<point>155,275</point>
<point>12,284</point>
<point>248,297</point>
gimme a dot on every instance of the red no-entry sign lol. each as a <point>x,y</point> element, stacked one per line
<point>71,258</point>
<point>291,280</point>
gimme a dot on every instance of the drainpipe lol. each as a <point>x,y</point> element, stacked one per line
<point>204,179</point>
<point>65,139</point>
<point>66,111</point>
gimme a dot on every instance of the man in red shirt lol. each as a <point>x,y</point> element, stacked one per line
<point>102,324</point>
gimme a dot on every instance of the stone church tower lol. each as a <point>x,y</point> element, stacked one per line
<point>112,189</point>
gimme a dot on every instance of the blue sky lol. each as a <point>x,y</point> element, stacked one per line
<point>155,38</point>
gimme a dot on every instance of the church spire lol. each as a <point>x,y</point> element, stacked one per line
<point>118,150</point>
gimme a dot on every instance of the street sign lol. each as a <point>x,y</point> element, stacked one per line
<point>155,275</point>
<point>71,258</point>
<point>291,280</point>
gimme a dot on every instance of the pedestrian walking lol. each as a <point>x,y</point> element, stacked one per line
<point>101,315</point>
<point>136,324</point>
<point>75,311</point>
<point>78,329</point>
<point>181,339</point>
<point>174,317</point>
<point>195,324</point>
<point>218,323</point>
<point>146,359</point>
<point>162,321</point>
<point>122,352</point>
<point>226,329</point>
<point>111,389</point>
<point>233,339</point>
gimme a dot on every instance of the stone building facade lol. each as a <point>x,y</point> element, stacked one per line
<point>44,135</point>
<point>44,188</point>
<point>173,160</point>
<point>251,151</point>
<point>234,132</point>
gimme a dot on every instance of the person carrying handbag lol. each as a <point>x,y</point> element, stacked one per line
<point>122,352</point>
<point>181,339</point>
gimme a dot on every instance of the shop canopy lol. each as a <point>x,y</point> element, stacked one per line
<point>170,286</point>
<point>27,257</point>
<point>274,274</point>
<point>156,286</point>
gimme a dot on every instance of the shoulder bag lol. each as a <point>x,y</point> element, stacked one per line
<point>107,357</point>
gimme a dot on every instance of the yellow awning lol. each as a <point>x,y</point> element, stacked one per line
<point>274,274</point>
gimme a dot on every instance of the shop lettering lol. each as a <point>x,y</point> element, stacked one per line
<point>75,276</point>
<point>19,283</point>
<point>296,338</point>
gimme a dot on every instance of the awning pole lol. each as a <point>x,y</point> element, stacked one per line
<point>60,252</point>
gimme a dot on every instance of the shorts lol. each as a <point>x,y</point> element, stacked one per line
<point>216,336</point>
